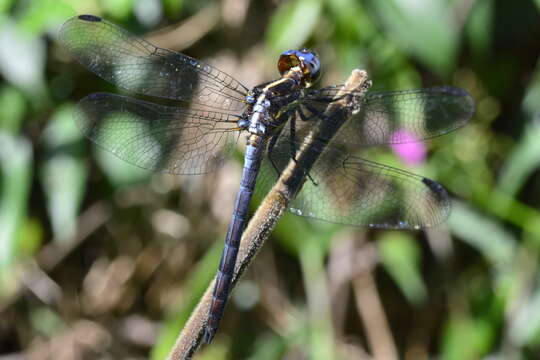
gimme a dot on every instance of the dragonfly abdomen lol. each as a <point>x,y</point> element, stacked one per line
<point>252,163</point>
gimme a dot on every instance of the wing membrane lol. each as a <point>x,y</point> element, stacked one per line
<point>350,190</point>
<point>392,117</point>
<point>136,65</point>
<point>155,137</point>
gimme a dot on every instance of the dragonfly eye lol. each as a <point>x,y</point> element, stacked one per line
<point>312,66</point>
<point>287,60</point>
<point>307,60</point>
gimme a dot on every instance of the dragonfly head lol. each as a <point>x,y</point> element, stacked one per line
<point>307,60</point>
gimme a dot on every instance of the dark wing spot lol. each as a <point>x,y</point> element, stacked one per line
<point>438,191</point>
<point>89,18</point>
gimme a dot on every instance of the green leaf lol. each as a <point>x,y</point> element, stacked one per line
<point>351,19</point>
<point>173,8</point>
<point>44,14</point>
<point>63,178</point>
<point>268,347</point>
<point>15,180</point>
<point>63,173</point>
<point>292,24</point>
<point>292,232</point>
<point>522,161</point>
<point>5,5</point>
<point>466,338</point>
<point>61,131</point>
<point>22,58</point>
<point>401,258</point>
<point>531,102</point>
<point>525,157</point>
<point>423,29</point>
<point>484,234</point>
<point>320,322</point>
<point>525,324</point>
<point>118,9</point>
<point>45,321</point>
<point>30,237</point>
<point>149,12</point>
<point>12,109</point>
<point>480,26</point>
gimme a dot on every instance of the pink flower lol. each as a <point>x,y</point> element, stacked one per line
<point>408,147</point>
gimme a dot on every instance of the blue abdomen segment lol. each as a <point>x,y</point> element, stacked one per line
<point>222,286</point>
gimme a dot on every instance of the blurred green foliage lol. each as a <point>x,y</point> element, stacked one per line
<point>107,260</point>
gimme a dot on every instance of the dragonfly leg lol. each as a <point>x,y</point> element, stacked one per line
<point>292,125</point>
<point>292,129</point>
<point>314,114</point>
<point>271,145</point>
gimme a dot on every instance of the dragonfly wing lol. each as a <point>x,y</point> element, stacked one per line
<point>393,117</point>
<point>136,65</point>
<point>345,189</point>
<point>360,192</point>
<point>155,137</point>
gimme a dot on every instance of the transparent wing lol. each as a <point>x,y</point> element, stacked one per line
<point>391,117</point>
<point>151,136</point>
<point>350,190</point>
<point>136,65</point>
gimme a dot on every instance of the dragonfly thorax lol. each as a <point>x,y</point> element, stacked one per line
<point>260,115</point>
<point>298,69</point>
<point>268,99</point>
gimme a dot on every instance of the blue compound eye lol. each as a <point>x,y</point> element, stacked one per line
<point>312,64</point>
<point>307,60</point>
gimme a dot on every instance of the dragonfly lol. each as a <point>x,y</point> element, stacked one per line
<point>211,110</point>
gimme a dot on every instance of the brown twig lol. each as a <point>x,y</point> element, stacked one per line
<point>270,210</point>
<point>187,33</point>
<point>374,318</point>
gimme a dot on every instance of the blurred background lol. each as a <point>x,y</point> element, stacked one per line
<point>102,260</point>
